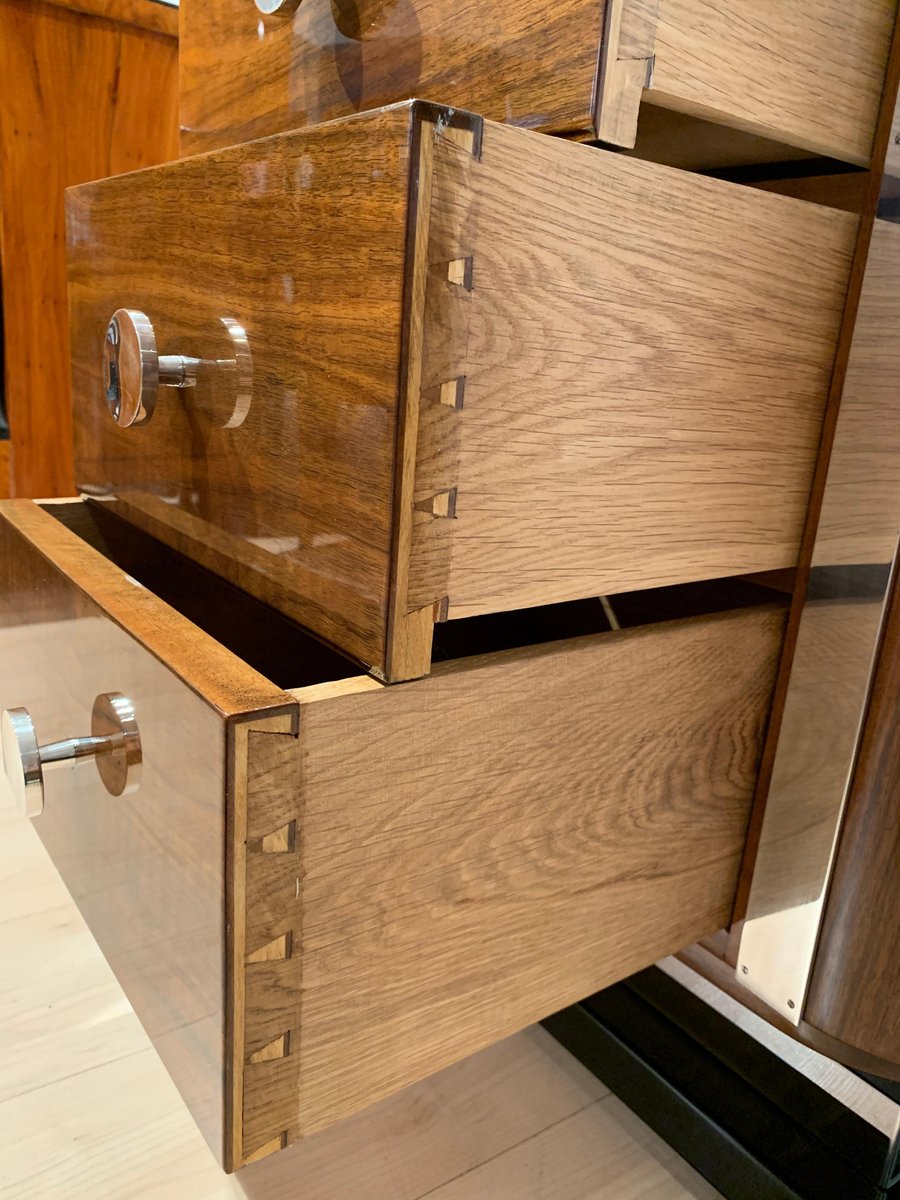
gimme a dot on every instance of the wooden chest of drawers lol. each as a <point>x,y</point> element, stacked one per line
<point>804,73</point>
<point>475,370</point>
<point>320,893</point>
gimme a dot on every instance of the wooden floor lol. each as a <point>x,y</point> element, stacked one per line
<point>87,1110</point>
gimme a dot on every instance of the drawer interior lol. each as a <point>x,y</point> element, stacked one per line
<point>292,658</point>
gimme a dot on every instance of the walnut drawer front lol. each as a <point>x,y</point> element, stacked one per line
<point>806,74</point>
<point>489,370</point>
<point>318,896</point>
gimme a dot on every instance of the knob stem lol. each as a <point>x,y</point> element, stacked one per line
<point>176,370</point>
<point>73,749</point>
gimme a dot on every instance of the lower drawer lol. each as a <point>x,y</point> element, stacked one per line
<point>319,893</point>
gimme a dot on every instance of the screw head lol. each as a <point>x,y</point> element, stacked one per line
<point>791,1004</point>
<point>745,970</point>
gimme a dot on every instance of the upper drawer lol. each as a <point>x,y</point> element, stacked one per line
<point>800,72</point>
<point>446,367</point>
<point>314,898</point>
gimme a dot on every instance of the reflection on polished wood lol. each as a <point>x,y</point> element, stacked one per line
<point>856,979</point>
<point>490,844</point>
<point>156,16</point>
<point>424,870</point>
<point>808,74</point>
<point>557,366</point>
<point>83,97</point>
<point>828,689</point>
<point>146,869</point>
<point>860,514</point>
<point>817,943</point>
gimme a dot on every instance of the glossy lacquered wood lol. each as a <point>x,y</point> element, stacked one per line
<point>87,93</point>
<point>308,923</point>
<point>856,976</point>
<point>147,869</point>
<point>806,74</point>
<point>473,389</point>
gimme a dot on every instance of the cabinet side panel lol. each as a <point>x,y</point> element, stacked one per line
<point>647,362</point>
<point>489,844</point>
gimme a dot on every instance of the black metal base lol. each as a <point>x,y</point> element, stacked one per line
<point>754,1127</point>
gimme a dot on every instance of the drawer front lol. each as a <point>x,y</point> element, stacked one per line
<point>246,75</point>
<point>537,396</point>
<point>806,74</point>
<point>491,844</point>
<point>147,868</point>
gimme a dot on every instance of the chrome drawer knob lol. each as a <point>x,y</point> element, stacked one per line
<point>133,370</point>
<point>282,7</point>
<point>114,745</point>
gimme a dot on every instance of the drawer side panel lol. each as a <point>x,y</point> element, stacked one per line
<point>647,361</point>
<point>487,845</point>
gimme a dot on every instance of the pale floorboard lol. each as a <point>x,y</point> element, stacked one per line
<point>87,1109</point>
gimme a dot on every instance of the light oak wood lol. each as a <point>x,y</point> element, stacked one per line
<point>809,73</point>
<point>308,924</point>
<point>480,852</point>
<point>243,76</point>
<point>152,15</point>
<point>86,1105</point>
<point>148,869</point>
<point>517,404</point>
<point>84,96</point>
<point>802,74</point>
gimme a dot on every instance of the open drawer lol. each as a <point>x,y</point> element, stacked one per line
<point>321,893</point>
<point>797,71</point>
<point>442,368</point>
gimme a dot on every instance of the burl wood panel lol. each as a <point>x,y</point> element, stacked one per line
<point>83,97</point>
<point>856,975</point>
<point>646,357</point>
<point>809,73</point>
<point>492,392</point>
<point>146,869</point>
<point>303,241</point>
<point>244,75</point>
<point>470,852</point>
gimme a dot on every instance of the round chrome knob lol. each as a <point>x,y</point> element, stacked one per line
<point>282,7</point>
<point>114,745</point>
<point>133,371</point>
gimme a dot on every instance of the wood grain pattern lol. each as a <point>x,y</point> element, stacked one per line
<point>556,364</point>
<point>856,975</point>
<point>699,459</point>
<point>809,74</point>
<point>152,15</point>
<point>307,480</point>
<point>861,505</point>
<point>491,843</point>
<point>244,76</point>
<point>5,471</point>
<point>146,869</point>
<point>828,690</point>
<point>85,97</point>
